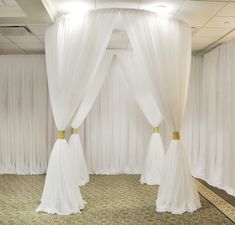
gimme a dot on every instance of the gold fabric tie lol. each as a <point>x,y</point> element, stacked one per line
<point>74,130</point>
<point>156,130</point>
<point>176,135</point>
<point>61,134</point>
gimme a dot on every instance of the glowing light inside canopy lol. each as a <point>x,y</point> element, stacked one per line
<point>161,10</point>
<point>74,7</point>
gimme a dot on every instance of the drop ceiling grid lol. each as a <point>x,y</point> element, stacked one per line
<point>22,46</point>
<point>206,33</point>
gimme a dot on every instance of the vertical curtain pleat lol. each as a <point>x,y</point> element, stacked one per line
<point>25,116</point>
<point>209,125</point>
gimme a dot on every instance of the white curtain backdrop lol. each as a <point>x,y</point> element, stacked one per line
<point>30,137</point>
<point>209,124</point>
<point>80,167</point>
<point>135,76</point>
<point>164,46</point>
<point>116,132</point>
<point>27,126</point>
<point>74,49</point>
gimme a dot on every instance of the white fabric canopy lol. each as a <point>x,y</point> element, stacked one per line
<point>74,49</point>
<point>80,168</point>
<point>164,45</point>
<point>135,76</point>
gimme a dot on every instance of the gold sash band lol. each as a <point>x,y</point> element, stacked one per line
<point>74,130</point>
<point>61,134</point>
<point>156,130</point>
<point>176,135</point>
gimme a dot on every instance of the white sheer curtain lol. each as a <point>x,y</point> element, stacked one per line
<point>141,91</point>
<point>80,167</point>
<point>74,48</point>
<point>209,124</point>
<point>164,46</point>
<point>116,133</point>
<point>25,115</point>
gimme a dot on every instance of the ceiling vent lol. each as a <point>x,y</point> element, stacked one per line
<point>15,30</point>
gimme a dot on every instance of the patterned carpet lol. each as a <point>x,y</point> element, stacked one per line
<point>112,200</point>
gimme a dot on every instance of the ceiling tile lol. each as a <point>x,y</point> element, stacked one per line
<point>31,46</point>
<point>10,2</point>
<point>117,4</point>
<point>212,32</point>
<point>197,13</point>
<point>9,48</point>
<point>37,28</point>
<point>221,22</point>
<point>24,39</point>
<point>41,38</point>
<point>11,11</point>
<point>228,10</point>
<point>172,5</point>
<point>3,39</point>
<point>199,43</point>
<point>229,37</point>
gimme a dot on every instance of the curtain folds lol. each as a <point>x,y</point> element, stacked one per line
<point>164,46</point>
<point>25,115</point>
<point>209,124</point>
<point>116,132</point>
<point>135,76</point>
<point>80,167</point>
<point>75,46</point>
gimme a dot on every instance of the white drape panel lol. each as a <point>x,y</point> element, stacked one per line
<point>25,115</point>
<point>164,45</point>
<point>211,141</point>
<point>80,167</point>
<point>116,132</point>
<point>135,76</point>
<point>74,49</point>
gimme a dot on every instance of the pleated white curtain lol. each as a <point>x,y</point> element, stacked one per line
<point>25,115</point>
<point>136,79</point>
<point>80,167</point>
<point>164,45</point>
<point>115,133</point>
<point>74,49</point>
<point>209,124</point>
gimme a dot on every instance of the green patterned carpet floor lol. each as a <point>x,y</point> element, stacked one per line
<point>112,200</point>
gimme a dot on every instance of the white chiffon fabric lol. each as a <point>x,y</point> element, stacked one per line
<point>209,124</point>
<point>135,76</point>
<point>25,115</point>
<point>115,133</point>
<point>80,167</point>
<point>164,46</point>
<point>74,49</point>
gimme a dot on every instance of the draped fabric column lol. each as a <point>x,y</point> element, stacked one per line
<point>164,46</point>
<point>80,167</point>
<point>75,45</point>
<point>135,77</point>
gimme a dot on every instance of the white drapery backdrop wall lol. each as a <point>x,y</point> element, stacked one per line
<point>27,126</point>
<point>25,149</point>
<point>209,126</point>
